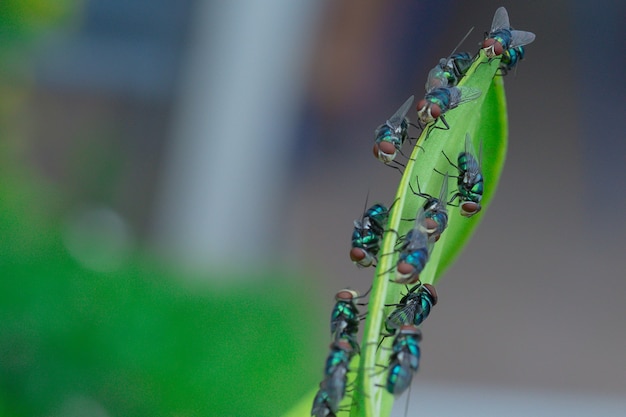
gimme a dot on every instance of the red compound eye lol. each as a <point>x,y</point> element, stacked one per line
<point>431,225</point>
<point>375,150</point>
<point>488,42</point>
<point>421,105</point>
<point>435,111</point>
<point>497,48</point>
<point>407,271</point>
<point>387,148</point>
<point>357,254</point>
<point>432,291</point>
<point>469,208</point>
<point>405,268</point>
<point>346,295</point>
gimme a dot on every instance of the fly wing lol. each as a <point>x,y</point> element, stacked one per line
<point>473,166</point>
<point>467,94</point>
<point>500,20</point>
<point>419,234</point>
<point>460,95</point>
<point>469,145</point>
<point>436,78</point>
<point>401,316</point>
<point>396,120</point>
<point>335,387</point>
<point>320,404</point>
<point>520,38</point>
<point>443,193</point>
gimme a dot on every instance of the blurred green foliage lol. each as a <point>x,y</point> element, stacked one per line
<point>26,18</point>
<point>142,340</point>
<point>138,342</point>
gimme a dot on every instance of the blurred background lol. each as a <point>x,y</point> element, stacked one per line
<point>178,181</point>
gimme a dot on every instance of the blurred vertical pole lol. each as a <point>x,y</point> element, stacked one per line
<point>599,47</point>
<point>233,129</point>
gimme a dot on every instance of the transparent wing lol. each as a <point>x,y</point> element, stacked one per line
<point>320,406</point>
<point>500,20</point>
<point>463,94</point>
<point>396,120</point>
<point>436,78</point>
<point>469,145</point>
<point>455,96</point>
<point>335,387</point>
<point>419,234</point>
<point>520,38</point>
<point>360,224</point>
<point>473,166</point>
<point>402,315</point>
<point>443,193</point>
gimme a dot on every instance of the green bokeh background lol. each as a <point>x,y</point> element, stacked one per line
<point>142,340</point>
<point>139,343</point>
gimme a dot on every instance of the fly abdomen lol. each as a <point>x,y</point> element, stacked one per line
<point>411,264</point>
<point>511,57</point>
<point>404,359</point>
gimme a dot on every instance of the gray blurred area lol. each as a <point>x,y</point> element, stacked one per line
<point>537,301</point>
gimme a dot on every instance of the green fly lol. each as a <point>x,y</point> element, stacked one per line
<point>440,99</point>
<point>404,359</point>
<point>469,180</point>
<point>435,212</point>
<point>367,235</point>
<point>392,134</point>
<point>333,387</point>
<point>413,308</point>
<point>502,36</point>
<point>449,71</point>
<point>344,318</point>
<point>414,252</point>
<point>510,58</point>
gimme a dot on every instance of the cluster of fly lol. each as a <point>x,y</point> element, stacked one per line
<point>442,90</point>
<point>413,249</point>
<point>344,325</point>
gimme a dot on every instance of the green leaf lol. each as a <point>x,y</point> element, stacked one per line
<point>485,120</point>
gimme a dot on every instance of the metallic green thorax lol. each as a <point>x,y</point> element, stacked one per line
<point>368,232</point>
<point>386,133</point>
<point>365,237</point>
<point>470,181</point>
<point>440,97</point>
<point>378,215</point>
<point>425,304</point>
<point>455,67</point>
<point>503,36</point>
<point>344,319</point>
